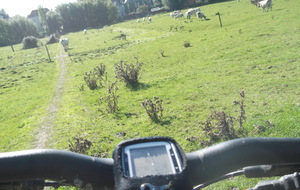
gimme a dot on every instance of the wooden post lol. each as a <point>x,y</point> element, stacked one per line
<point>219,18</point>
<point>12,48</point>
<point>48,53</point>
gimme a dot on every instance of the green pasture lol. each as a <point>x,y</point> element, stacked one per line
<point>255,52</point>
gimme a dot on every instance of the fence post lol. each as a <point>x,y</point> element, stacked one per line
<point>12,48</point>
<point>218,13</point>
<point>48,53</point>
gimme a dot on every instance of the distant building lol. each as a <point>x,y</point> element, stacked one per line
<point>34,16</point>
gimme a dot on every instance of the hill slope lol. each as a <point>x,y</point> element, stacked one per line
<point>255,52</point>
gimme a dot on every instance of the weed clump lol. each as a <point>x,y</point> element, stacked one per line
<point>154,108</point>
<point>121,37</point>
<point>96,77</point>
<point>30,42</point>
<point>129,73</point>
<point>187,44</point>
<point>80,145</point>
<point>112,98</point>
<point>162,53</point>
<point>220,126</point>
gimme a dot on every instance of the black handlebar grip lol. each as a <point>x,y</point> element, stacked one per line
<point>223,158</point>
<point>63,166</point>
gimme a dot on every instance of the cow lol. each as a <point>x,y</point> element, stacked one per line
<point>266,5</point>
<point>190,12</point>
<point>84,31</point>
<point>201,15</point>
<point>179,15</point>
<point>255,2</point>
<point>175,13</point>
<point>65,43</point>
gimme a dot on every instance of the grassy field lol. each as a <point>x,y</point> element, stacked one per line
<point>255,52</point>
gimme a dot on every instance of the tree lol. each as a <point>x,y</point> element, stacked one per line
<point>158,3</point>
<point>19,28</point>
<point>4,33</point>
<point>42,16</point>
<point>112,13</point>
<point>73,17</point>
<point>174,4</point>
<point>87,13</point>
<point>54,22</point>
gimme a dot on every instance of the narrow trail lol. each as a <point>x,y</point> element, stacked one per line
<point>47,123</point>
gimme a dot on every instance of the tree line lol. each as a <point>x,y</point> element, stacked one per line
<point>68,17</point>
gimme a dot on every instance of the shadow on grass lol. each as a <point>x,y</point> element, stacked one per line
<point>139,86</point>
<point>164,121</point>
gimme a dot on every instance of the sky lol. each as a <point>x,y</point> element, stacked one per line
<point>24,7</point>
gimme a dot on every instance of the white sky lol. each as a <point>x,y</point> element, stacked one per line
<point>24,7</point>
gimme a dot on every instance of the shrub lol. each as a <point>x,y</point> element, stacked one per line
<point>187,44</point>
<point>80,145</point>
<point>220,126</point>
<point>129,73</point>
<point>112,98</point>
<point>242,116</point>
<point>30,42</point>
<point>121,37</point>
<point>96,77</point>
<point>53,39</point>
<point>162,53</point>
<point>154,109</point>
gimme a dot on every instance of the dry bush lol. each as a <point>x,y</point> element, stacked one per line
<point>162,53</point>
<point>80,145</point>
<point>221,126</point>
<point>154,109</point>
<point>111,99</point>
<point>187,44</point>
<point>96,77</point>
<point>129,73</point>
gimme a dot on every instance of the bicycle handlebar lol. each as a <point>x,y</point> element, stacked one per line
<point>215,161</point>
<point>57,165</point>
<point>202,166</point>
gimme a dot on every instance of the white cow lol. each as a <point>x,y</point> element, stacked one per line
<point>190,12</point>
<point>65,43</point>
<point>179,15</point>
<point>266,5</point>
<point>175,13</point>
<point>84,31</point>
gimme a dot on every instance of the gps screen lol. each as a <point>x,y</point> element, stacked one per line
<point>150,161</point>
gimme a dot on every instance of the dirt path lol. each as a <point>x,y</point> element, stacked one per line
<point>47,123</point>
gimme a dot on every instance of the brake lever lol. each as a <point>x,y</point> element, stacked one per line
<point>287,182</point>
